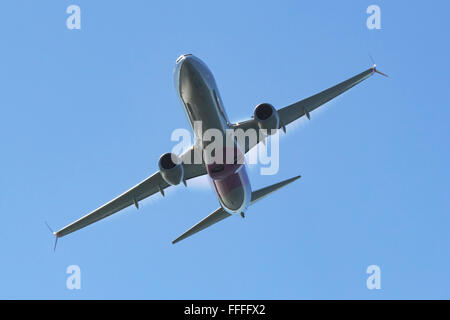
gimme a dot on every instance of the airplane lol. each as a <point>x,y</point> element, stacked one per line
<point>200,97</point>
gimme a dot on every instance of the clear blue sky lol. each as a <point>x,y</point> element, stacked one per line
<point>85,114</point>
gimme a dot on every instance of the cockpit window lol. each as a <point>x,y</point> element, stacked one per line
<point>182,56</point>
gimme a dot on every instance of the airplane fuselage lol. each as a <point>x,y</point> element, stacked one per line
<point>200,97</point>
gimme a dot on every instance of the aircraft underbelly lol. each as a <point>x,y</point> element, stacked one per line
<point>234,191</point>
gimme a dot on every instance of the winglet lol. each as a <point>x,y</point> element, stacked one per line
<point>56,242</point>
<point>374,67</point>
<point>54,233</point>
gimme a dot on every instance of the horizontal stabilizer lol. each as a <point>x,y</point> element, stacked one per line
<point>213,218</point>
<point>261,193</point>
<point>221,214</point>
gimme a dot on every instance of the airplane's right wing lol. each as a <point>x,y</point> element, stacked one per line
<point>297,110</point>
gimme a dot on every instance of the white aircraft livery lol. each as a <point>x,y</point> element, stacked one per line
<point>200,96</point>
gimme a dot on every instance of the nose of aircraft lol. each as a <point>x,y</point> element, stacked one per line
<point>180,70</point>
<point>185,65</point>
<point>190,73</point>
<point>187,71</point>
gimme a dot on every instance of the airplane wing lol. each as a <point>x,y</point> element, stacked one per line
<point>221,214</point>
<point>296,110</point>
<point>153,184</point>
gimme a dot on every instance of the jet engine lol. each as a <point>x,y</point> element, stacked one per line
<point>171,168</point>
<point>267,117</point>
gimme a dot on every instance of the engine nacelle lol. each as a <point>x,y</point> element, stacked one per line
<point>171,168</point>
<point>267,117</point>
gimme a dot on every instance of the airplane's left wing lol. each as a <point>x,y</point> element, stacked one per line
<point>153,184</point>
